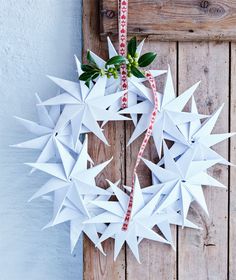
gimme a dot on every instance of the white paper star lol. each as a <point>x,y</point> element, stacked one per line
<point>113,85</point>
<point>169,113</point>
<point>77,210</point>
<point>198,133</point>
<point>84,107</point>
<point>168,216</point>
<point>139,226</point>
<point>47,131</point>
<point>183,179</point>
<point>69,176</point>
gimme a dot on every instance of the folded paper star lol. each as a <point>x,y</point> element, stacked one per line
<point>140,225</point>
<point>169,113</point>
<point>197,133</point>
<point>68,176</point>
<point>168,216</point>
<point>47,132</point>
<point>83,108</point>
<point>113,85</point>
<point>183,179</point>
<point>77,210</point>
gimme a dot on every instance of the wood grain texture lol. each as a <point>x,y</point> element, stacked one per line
<point>232,208</point>
<point>156,258</point>
<point>210,253</point>
<point>176,20</point>
<point>203,254</point>
<point>97,266</point>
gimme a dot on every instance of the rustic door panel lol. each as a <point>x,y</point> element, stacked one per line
<point>199,255</point>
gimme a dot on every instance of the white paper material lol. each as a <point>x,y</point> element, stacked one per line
<point>182,179</point>
<point>140,225</point>
<point>83,108</point>
<point>197,133</point>
<point>169,113</point>
<point>73,185</point>
<point>46,133</point>
<point>113,85</point>
<point>178,178</point>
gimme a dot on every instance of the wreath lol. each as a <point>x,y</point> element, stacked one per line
<point>110,91</point>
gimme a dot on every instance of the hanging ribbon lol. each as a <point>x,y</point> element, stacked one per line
<point>148,133</point>
<point>123,15</point>
<point>123,18</point>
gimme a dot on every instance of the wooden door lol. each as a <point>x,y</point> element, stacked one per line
<point>194,37</point>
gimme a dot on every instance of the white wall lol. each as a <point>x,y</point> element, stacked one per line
<point>37,37</point>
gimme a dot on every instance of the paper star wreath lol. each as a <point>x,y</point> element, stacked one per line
<point>178,178</point>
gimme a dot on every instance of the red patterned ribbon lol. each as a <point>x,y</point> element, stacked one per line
<point>148,133</point>
<point>123,15</point>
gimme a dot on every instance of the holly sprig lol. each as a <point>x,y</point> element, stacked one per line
<point>134,64</point>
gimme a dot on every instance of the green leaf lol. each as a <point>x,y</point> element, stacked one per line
<point>137,73</point>
<point>90,58</point>
<point>118,59</point>
<point>146,59</point>
<point>132,46</point>
<point>87,83</point>
<point>87,68</point>
<point>85,76</point>
<point>91,78</point>
<point>95,76</point>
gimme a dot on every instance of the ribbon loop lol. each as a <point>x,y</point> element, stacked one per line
<point>123,17</point>
<point>148,134</point>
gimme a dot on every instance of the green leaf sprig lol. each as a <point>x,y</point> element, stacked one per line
<point>112,66</point>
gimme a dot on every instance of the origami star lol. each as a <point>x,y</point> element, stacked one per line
<point>84,107</point>
<point>46,131</point>
<point>198,133</point>
<point>169,113</point>
<point>139,223</point>
<point>165,218</point>
<point>77,210</point>
<point>113,85</point>
<point>70,176</point>
<point>183,179</point>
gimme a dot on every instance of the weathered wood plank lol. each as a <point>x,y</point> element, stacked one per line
<point>203,254</point>
<point>158,260</point>
<point>232,208</point>
<point>97,266</point>
<point>176,20</point>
